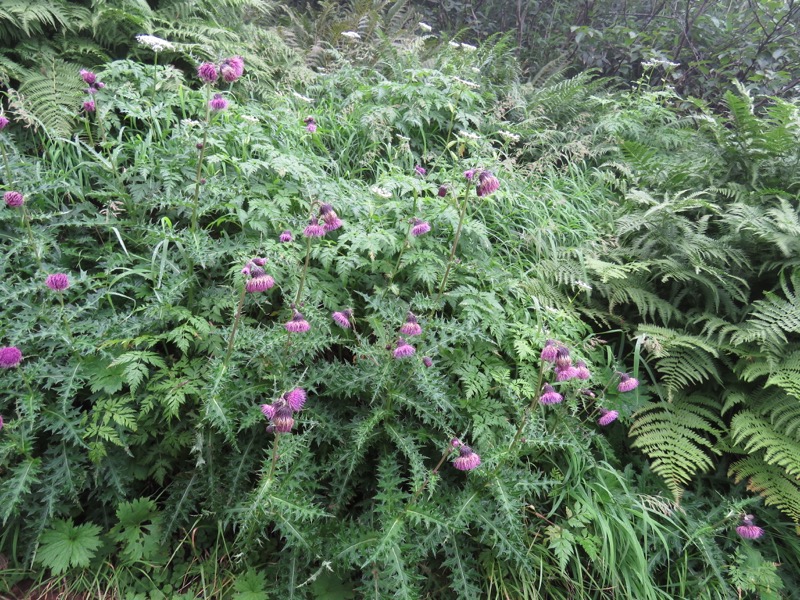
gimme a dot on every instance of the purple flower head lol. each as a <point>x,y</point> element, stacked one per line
<point>550,351</point>
<point>311,124</point>
<point>10,356</point>
<point>314,229</point>
<point>57,282</point>
<point>255,270</point>
<point>466,459</point>
<point>89,106</point>
<point>627,383</point>
<point>286,237</point>
<point>3,122</point>
<point>88,77</point>
<point>748,529</point>
<point>469,174</point>
<point>262,283</point>
<point>583,371</point>
<point>419,227</point>
<point>411,327</point>
<point>550,396</point>
<point>298,324</point>
<point>207,72</point>
<point>100,85</point>
<point>295,398</point>
<point>268,410</point>
<point>420,170</point>
<point>13,199</point>
<point>607,417</point>
<point>443,191</point>
<point>332,225</point>
<point>91,90</point>
<point>329,217</point>
<point>566,374</point>
<point>283,419</point>
<point>259,261</point>
<point>342,318</point>
<point>426,360</point>
<point>487,183</point>
<point>563,359</point>
<point>232,68</point>
<point>403,349</point>
<point>455,442</point>
<point>218,103</point>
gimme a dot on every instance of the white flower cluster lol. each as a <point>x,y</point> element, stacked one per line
<point>353,35</point>
<point>154,43</point>
<point>469,84</point>
<point>660,62</point>
<point>303,98</point>
<point>425,27</point>
<point>509,136</point>
<point>382,192</point>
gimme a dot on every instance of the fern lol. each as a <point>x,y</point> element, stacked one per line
<point>771,483</point>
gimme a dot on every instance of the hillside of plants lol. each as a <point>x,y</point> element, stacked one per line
<point>391,299</point>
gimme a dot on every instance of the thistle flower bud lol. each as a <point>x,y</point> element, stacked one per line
<point>283,419</point>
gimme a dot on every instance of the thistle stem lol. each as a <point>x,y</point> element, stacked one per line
<point>9,176</point>
<point>402,250</point>
<point>455,244</point>
<point>195,200</point>
<point>428,477</point>
<point>530,407</point>
<point>305,269</point>
<point>274,455</point>
<point>236,318</point>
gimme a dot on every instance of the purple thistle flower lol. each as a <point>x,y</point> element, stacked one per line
<point>455,442</point>
<point>426,360</point>
<point>218,103</point>
<point>442,191</point>
<point>89,106</point>
<point>566,374</point>
<point>295,398</point>
<point>748,529</point>
<point>487,183</point>
<point>57,282</point>
<point>420,227</point>
<point>411,327</point>
<point>10,356</point>
<point>207,72</point>
<point>283,419</point>
<point>550,396</point>
<point>88,77</point>
<point>332,225</point>
<point>607,417</point>
<point>466,459</point>
<point>342,318</point>
<point>563,359</point>
<point>330,218</point>
<point>3,122</point>
<point>403,349</point>
<point>232,68</point>
<point>13,199</point>
<point>469,174</point>
<point>420,170</point>
<point>91,90</point>
<point>262,283</point>
<point>286,236</point>
<point>627,383</point>
<point>314,229</point>
<point>550,351</point>
<point>259,261</point>
<point>583,371</point>
<point>100,85</point>
<point>268,410</point>
<point>298,324</point>
<point>311,124</point>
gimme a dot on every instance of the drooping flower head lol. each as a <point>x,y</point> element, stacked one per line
<point>627,383</point>
<point>466,459</point>
<point>311,124</point>
<point>550,395</point>
<point>748,529</point>
<point>207,72</point>
<point>419,227</point>
<point>314,229</point>
<point>296,398</point>
<point>426,360</point>
<point>342,318</point>
<point>10,356</point>
<point>283,419</point>
<point>286,236</point>
<point>88,77</point>
<point>469,174</point>
<point>566,374</point>
<point>218,103</point>
<point>607,417</point>
<point>258,279</point>
<point>443,189</point>
<point>420,170</point>
<point>487,183</point>
<point>298,324</point>
<point>232,68</point>
<point>268,410</point>
<point>13,199</point>
<point>331,220</point>
<point>550,351</point>
<point>563,359</point>
<point>3,122</point>
<point>403,349</point>
<point>411,327</point>
<point>89,106</point>
<point>57,282</point>
<point>583,371</point>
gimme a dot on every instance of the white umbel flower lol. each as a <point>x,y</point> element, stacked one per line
<point>353,35</point>
<point>154,43</point>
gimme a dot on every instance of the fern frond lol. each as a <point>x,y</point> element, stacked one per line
<point>771,483</point>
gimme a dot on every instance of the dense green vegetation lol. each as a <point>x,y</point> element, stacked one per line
<point>163,319</point>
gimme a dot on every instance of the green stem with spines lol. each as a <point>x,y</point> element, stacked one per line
<point>455,243</point>
<point>236,319</point>
<point>199,173</point>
